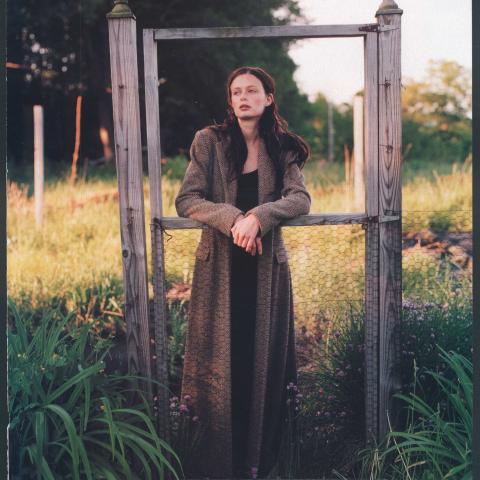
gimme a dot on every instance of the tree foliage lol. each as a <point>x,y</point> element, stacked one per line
<point>64,49</point>
<point>437,113</point>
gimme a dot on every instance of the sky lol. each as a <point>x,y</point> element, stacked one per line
<point>431,29</point>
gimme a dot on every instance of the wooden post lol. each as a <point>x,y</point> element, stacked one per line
<point>38,163</point>
<point>331,133</point>
<point>348,161</point>
<point>371,238</point>
<point>128,154</point>
<point>390,203</point>
<point>358,152</point>
<point>158,257</point>
<point>78,122</point>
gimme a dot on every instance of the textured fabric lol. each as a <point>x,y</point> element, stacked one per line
<point>207,361</point>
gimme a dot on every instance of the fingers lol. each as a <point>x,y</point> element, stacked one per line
<point>244,235</point>
<point>251,247</point>
<point>256,247</point>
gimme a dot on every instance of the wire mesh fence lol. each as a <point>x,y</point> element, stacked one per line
<point>327,264</point>
<point>437,254</point>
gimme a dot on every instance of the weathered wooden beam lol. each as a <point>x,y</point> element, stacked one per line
<point>390,203</point>
<point>277,31</point>
<point>371,236</point>
<point>179,223</point>
<point>128,155</point>
<point>154,154</point>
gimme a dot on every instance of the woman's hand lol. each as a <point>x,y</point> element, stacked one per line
<point>244,233</point>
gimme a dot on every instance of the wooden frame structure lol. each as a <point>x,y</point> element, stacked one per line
<point>382,218</point>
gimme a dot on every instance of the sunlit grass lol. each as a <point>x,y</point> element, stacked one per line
<point>79,242</point>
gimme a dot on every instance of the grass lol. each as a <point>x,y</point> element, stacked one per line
<point>68,417</point>
<point>438,438</point>
<point>79,243</point>
<point>75,258</point>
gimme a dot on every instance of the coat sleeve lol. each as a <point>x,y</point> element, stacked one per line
<point>295,200</point>
<point>191,200</point>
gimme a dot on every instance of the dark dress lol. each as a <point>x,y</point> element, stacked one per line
<point>243,315</point>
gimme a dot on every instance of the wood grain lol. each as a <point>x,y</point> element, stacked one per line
<point>278,31</point>
<point>128,153</point>
<point>158,256</point>
<point>390,143</point>
<point>371,237</point>
<point>175,223</point>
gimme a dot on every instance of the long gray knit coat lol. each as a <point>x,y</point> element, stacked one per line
<point>206,371</point>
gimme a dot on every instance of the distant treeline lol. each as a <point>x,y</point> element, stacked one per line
<point>58,53</point>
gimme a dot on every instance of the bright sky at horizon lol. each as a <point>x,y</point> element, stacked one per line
<point>334,66</point>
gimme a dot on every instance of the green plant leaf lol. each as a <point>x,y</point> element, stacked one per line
<point>73,437</point>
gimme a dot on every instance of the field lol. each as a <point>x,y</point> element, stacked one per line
<point>79,244</point>
<point>72,266</point>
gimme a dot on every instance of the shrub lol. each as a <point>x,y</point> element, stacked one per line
<point>438,440</point>
<point>331,420</point>
<point>332,417</point>
<point>68,419</point>
<point>426,328</point>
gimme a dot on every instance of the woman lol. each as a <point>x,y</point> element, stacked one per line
<point>243,180</point>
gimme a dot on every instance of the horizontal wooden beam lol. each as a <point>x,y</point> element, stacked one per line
<point>177,223</point>
<point>278,31</point>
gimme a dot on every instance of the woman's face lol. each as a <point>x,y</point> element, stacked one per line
<point>248,98</point>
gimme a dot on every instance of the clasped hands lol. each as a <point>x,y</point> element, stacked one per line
<point>244,233</point>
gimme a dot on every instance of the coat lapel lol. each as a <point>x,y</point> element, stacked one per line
<point>266,172</point>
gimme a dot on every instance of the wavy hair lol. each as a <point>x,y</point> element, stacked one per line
<point>273,128</point>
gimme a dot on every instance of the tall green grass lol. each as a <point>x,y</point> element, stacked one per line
<point>438,441</point>
<point>68,418</point>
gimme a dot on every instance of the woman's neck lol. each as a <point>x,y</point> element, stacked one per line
<point>250,131</point>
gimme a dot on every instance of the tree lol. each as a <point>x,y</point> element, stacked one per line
<point>437,113</point>
<point>343,124</point>
<point>62,48</point>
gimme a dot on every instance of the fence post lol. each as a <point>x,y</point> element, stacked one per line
<point>390,203</point>
<point>38,164</point>
<point>156,214</point>
<point>358,161</point>
<point>128,155</point>
<point>370,112</point>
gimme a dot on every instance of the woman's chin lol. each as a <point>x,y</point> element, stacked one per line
<point>247,115</point>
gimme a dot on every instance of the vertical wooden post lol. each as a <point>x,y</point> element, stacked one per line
<point>371,237</point>
<point>155,179</point>
<point>38,163</point>
<point>128,154</point>
<point>358,162</point>
<point>331,133</point>
<point>390,203</point>
<point>78,131</point>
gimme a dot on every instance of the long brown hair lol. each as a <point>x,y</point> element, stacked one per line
<point>273,128</point>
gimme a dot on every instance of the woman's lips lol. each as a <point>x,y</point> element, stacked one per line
<point>244,107</point>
